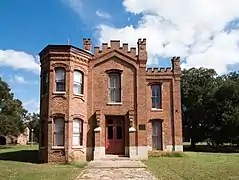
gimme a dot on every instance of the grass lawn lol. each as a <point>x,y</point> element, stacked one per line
<point>196,165</point>
<point>20,163</point>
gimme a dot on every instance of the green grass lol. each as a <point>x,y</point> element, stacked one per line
<point>20,163</point>
<point>195,165</point>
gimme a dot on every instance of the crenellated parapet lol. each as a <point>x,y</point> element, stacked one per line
<point>125,49</point>
<point>175,69</point>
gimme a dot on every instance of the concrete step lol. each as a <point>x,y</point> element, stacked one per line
<point>107,163</point>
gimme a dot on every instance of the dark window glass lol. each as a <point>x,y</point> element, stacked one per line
<point>60,79</point>
<point>156,97</point>
<point>110,132</point>
<point>119,132</point>
<point>110,121</point>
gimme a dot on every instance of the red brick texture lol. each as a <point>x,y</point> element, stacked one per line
<point>93,106</point>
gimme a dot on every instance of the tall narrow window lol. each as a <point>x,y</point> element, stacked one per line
<point>156,97</point>
<point>58,132</point>
<point>77,132</point>
<point>78,82</point>
<point>45,83</point>
<point>60,79</point>
<point>114,87</point>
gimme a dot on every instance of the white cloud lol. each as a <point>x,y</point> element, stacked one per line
<point>191,29</point>
<point>19,60</point>
<point>76,5</point>
<point>31,105</point>
<point>103,14</point>
<point>19,79</point>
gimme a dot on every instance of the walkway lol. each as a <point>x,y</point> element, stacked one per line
<point>117,169</point>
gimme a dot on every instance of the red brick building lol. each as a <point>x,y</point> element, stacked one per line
<point>107,102</point>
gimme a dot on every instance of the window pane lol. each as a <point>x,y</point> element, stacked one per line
<point>112,81</point>
<point>115,87</point>
<point>60,74</point>
<point>60,85</point>
<point>119,132</point>
<point>58,132</point>
<point>77,76</point>
<point>117,95</point>
<point>76,139</point>
<point>156,96</point>
<point>110,132</point>
<point>78,88</point>
<point>77,131</point>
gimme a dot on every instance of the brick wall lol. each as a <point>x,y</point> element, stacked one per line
<point>135,94</point>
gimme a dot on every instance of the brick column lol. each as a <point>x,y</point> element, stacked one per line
<point>99,149</point>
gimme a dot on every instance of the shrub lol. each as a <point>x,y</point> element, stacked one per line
<point>166,154</point>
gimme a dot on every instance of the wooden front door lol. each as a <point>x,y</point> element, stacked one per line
<point>157,135</point>
<point>115,137</point>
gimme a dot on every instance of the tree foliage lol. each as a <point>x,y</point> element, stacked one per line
<point>210,105</point>
<point>32,121</point>
<point>12,113</point>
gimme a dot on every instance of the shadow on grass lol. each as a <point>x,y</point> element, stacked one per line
<point>30,156</point>
<point>206,148</point>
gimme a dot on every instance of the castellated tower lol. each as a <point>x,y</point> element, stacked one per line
<point>105,102</point>
<point>64,71</point>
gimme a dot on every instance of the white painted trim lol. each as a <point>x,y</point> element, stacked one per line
<point>176,148</point>
<point>132,129</point>
<point>98,129</point>
<point>59,92</point>
<point>77,147</point>
<point>57,147</point>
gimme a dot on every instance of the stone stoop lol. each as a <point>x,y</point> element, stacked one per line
<point>119,163</point>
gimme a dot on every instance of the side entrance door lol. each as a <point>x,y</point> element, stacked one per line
<point>115,139</point>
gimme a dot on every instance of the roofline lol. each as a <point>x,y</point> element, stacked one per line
<point>51,46</point>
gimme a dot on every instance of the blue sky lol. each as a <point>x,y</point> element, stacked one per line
<point>28,26</point>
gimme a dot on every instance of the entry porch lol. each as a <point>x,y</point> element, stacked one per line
<point>117,136</point>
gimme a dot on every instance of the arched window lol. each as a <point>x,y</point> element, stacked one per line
<point>58,132</point>
<point>78,82</point>
<point>115,87</point>
<point>156,96</point>
<point>77,132</point>
<point>60,79</point>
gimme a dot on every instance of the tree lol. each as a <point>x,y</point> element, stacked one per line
<point>197,87</point>
<point>225,111</point>
<point>12,113</point>
<point>32,121</point>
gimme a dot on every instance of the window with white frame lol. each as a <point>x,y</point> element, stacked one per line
<point>60,79</point>
<point>78,82</point>
<point>115,87</point>
<point>156,96</point>
<point>77,132</point>
<point>58,132</point>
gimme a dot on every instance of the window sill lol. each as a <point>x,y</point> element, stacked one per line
<point>57,147</point>
<point>114,103</point>
<point>156,110</point>
<point>77,147</point>
<point>78,95</point>
<point>59,92</point>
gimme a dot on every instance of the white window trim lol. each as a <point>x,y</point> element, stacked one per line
<point>81,84</point>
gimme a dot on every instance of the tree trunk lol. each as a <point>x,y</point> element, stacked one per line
<point>193,143</point>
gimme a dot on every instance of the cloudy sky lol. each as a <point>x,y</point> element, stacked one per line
<point>205,33</point>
